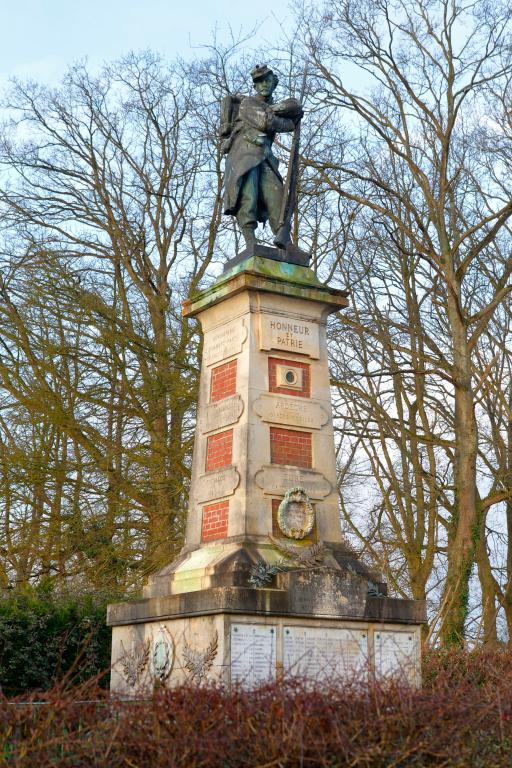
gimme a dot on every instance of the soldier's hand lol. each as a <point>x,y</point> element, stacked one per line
<point>280,124</point>
<point>289,108</point>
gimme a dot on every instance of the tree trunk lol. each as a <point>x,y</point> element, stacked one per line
<point>507,602</point>
<point>159,547</point>
<point>464,530</point>
<point>489,612</point>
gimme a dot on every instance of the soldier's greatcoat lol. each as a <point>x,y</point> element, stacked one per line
<point>250,145</point>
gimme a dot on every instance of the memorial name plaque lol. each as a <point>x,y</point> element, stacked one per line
<point>290,410</point>
<point>253,653</point>
<point>277,480</point>
<point>396,654</point>
<point>223,413</point>
<point>215,485</point>
<point>289,334</point>
<point>225,341</point>
<point>318,653</point>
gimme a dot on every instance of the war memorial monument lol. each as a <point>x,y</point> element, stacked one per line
<point>265,585</point>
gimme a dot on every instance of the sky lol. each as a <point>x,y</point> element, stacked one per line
<point>41,38</point>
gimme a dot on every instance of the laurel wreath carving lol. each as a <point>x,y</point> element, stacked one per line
<point>134,662</point>
<point>307,557</point>
<point>199,663</point>
<point>297,495</point>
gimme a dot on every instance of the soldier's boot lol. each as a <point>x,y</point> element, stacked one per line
<point>282,236</point>
<point>249,235</point>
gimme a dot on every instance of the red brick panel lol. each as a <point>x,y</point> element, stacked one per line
<point>276,531</point>
<point>287,446</point>
<point>223,382</point>
<point>272,378</point>
<point>215,521</point>
<point>219,450</point>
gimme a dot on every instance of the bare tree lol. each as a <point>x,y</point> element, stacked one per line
<point>427,126</point>
<point>109,185</point>
<point>392,432</point>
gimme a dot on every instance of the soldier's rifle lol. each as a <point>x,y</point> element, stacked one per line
<point>290,184</point>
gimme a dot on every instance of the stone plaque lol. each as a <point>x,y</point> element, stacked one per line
<point>326,592</point>
<point>295,411</point>
<point>223,413</point>
<point>215,485</point>
<point>318,653</point>
<point>289,334</point>
<point>253,653</point>
<point>225,341</point>
<point>396,654</point>
<point>277,480</point>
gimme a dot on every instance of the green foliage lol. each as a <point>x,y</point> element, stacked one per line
<point>46,637</point>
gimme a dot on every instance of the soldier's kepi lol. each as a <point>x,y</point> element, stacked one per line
<point>253,186</point>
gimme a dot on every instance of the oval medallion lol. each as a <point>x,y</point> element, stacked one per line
<point>163,654</point>
<point>296,516</point>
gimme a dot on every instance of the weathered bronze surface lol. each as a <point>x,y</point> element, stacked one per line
<point>253,186</point>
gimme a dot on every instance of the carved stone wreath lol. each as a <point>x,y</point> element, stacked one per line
<point>296,516</point>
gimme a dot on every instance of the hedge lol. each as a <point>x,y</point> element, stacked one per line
<point>462,718</point>
<point>45,637</point>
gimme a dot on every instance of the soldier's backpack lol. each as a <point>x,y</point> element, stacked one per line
<point>229,107</point>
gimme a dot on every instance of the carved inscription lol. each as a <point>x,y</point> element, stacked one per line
<point>225,341</point>
<point>396,654</point>
<point>222,413</point>
<point>253,653</point>
<point>277,480</point>
<point>290,410</point>
<point>318,653</point>
<point>216,485</point>
<point>292,335</point>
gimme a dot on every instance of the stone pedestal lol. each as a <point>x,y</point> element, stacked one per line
<point>265,583</point>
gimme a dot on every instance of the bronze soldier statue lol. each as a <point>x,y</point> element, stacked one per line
<point>253,187</point>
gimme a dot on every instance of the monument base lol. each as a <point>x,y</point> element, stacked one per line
<point>320,624</point>
<point>289,255</point>
<point>254,649</point>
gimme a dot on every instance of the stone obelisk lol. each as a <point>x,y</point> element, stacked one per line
<point>265,583</point>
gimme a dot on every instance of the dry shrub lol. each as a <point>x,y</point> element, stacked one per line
<point>461,717</point>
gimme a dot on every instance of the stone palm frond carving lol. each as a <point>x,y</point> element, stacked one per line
<point>261,572</point>
<point>199,663</point>
<point>374,590</point>
<point>307,557</point>
<point>134,662</point>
